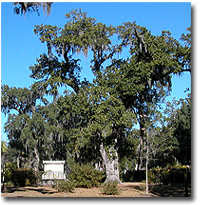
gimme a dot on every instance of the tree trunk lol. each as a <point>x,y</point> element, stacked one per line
<point>37,158</point>
<point>140,164</point>
<point>2,172</point>
<point>140,150</point>
<point>147,163</point>
<point>110,161</point>
<point>18,161</point>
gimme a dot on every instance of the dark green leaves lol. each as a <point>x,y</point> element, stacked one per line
<point>18,99</point>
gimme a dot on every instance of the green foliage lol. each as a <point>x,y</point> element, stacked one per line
<point>170,175</point>
<point>9,167</point>
<point>110,188</point>
<point>64,186</point>
<point>155,175</point>
<point>127,151</point>
<point>162,146</point>
<point>183,127</point>
<point>29,129</point>
<point>18,99</point>
<point>146,73</point>
<point>184,54</point>
<point>179,124</point>
<point>23,177</point>
<point>85,176</point>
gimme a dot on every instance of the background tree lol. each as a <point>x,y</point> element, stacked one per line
<point>170,141</point>
<point>21,106</point>
<point>181,122</point>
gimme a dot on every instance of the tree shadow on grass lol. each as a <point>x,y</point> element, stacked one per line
<point>42,190</point>
<point>24,189</point>
<point>161,190</point>
<point>13,189</point>
<point>169,190</point>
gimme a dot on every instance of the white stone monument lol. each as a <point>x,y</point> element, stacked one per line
<point>53,170</point>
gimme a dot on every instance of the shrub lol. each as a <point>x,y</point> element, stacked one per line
<point>64,186</point>
<point>23,177</point>
<point>165,176</point>
<point>38,176</point>
<point>154,176</point>
<point>170,175</point>
<point>110,188</point>
<point>8,170</point>
<point>159,176</point>
<point>85,176</point>
<point>178,174</point>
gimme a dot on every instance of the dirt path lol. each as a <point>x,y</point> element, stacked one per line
<point>126,190</point>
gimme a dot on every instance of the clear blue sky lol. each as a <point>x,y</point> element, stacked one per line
<point>20,46</point>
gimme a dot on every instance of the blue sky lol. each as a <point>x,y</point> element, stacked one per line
<point>20,46</point>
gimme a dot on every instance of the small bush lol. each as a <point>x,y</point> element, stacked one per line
<point>110,188</point>
<point>8,170</point>
<point>23,177</point>
<point>85,176</point>
<point>170,175</point>
<point>154,176</point>
<point>64,186</point>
